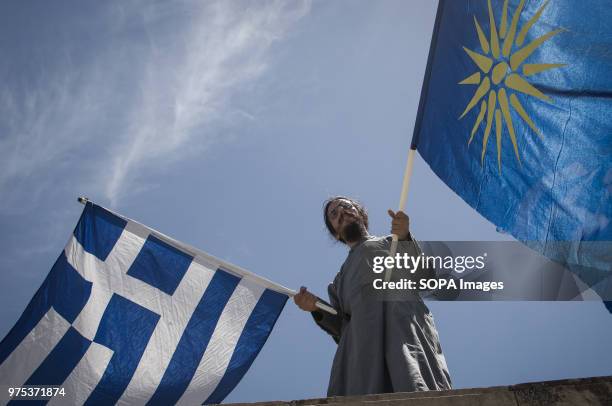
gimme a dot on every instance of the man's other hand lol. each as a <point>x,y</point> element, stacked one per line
<point>399,224</point>
<point>305,300</point>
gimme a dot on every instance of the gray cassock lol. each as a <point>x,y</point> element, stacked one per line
<point>383,345</point>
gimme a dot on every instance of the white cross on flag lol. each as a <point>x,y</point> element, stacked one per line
<point>128,315</point>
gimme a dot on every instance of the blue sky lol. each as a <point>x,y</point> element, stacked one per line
<point>226,125</point>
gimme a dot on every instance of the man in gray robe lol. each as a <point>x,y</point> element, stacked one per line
<point>385,344</point>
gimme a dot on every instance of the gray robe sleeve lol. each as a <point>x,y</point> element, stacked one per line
<point>330,323</point>
<point>412,247</point>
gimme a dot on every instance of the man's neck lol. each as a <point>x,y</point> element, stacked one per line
<point>352,244</point>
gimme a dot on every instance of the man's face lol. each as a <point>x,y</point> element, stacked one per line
<point>345,220</point>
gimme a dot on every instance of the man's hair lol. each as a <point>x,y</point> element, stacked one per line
<point>360,209</point>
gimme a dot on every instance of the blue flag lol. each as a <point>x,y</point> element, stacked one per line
<point>515,117</point>
<point>129,315</point>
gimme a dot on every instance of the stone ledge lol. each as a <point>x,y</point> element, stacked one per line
<point>566,392</point>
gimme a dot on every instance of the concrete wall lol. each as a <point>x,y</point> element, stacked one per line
<point>586,391</point>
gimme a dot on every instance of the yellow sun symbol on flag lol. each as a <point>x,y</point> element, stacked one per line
<point>502,73</point>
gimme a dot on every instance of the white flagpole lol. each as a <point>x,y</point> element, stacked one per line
<point>325,307</point>
<point>402,205</point>
<point>417,130</point>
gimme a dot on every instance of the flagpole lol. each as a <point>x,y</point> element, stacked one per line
<point>84,200</point>
<point>402,204</point>
<point>417,129</point>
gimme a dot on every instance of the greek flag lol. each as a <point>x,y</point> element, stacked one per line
<point>128,315</point>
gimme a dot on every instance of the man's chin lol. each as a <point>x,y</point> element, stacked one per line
<point>353,232</point>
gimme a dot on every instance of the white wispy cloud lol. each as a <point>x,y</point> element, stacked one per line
<point>161,77</point>
<point>226,47</point>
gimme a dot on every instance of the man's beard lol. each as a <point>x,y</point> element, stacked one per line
<point>353,232</point>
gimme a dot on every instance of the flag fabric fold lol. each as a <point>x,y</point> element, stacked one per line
<point>128,315</point>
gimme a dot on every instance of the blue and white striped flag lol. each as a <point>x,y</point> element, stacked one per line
<point>128,315</point>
